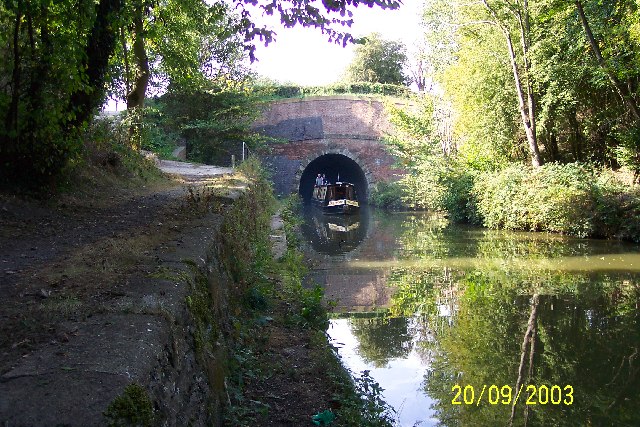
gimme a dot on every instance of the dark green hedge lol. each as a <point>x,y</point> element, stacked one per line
<point>358,88</point>
<point>573,199</point>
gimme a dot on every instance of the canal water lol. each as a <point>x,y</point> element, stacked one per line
<point>475,327</point>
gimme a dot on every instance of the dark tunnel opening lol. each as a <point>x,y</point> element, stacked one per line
<point>333,165</point>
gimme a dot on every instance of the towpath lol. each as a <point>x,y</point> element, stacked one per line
<point>84,301</point>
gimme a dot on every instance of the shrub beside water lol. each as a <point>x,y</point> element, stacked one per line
<point>387,195</point>
<point>573,199</point>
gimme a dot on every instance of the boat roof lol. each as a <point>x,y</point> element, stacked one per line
<point>340,183</point>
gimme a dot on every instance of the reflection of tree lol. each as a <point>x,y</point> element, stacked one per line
<point>583,339</point>
<point>381,339</point>
<point>414,291</point>
<point>518,325</point>
<point>529,342</point>
<point>428,238</point>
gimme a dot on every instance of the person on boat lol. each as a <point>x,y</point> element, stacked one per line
<point>318,180</point>
<point>324,180</point>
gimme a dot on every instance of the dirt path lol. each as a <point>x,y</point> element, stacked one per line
<point>81,314</point>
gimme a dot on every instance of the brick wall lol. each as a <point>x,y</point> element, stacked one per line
<point>315,126</point>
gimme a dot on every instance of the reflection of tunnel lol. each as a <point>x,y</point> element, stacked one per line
<point>331,165</point>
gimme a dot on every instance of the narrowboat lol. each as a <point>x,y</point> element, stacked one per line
<point>338,198</point>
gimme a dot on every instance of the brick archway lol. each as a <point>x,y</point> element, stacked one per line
<point>349,128</point>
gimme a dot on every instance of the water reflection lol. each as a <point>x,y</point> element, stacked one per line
<point>627,262</point>
<point>334,234</point>
<point>476,307</point>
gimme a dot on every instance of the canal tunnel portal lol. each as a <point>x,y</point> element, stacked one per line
<point>335,167</point>
<point>331,135</point>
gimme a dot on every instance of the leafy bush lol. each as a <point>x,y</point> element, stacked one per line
<point>444,186</point>
<point>387,195</point>
<point>132,408</point>
<point>497,195</point>
<point>458,199</point>
<point>628,153</point>
<point>572,199</point>
<point>554,197</point>
<point>617,209</point>
<point>156,136</point>
<point>106,146</point>
<point>213,123</point>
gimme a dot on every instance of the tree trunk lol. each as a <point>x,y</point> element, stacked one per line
<point>529,335</point>
<point>525,31</point>
<point>527,113</point>
<point>11,120</point>
<point>419,77</point>
<point>125,53</point>
<point>526,106</point>
<point>619,87</point>
<point>41,59</point>
<point>136,97</point>
<point>552,144</point>
<point>100,47</point>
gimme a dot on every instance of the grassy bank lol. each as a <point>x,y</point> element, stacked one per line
<point>269,92</point>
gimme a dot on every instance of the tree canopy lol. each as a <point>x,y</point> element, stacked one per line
<point>59,62</point>
<point>548,79</point>
<point>378,61</point>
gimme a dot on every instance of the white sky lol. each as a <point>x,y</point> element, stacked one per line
<point>304,56</point>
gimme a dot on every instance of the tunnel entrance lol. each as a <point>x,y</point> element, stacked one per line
<point>332,166</point>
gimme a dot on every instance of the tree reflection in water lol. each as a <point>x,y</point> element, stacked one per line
<point>381,339</point>
<point>520,325</point>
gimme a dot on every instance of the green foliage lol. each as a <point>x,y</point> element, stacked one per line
<point>381,338</point>
<point>55,67</point>
<point>579,332</point>
<point>291,208</point>
<point>132,408</point>
<point>378,61</point>
<point>479,85</point>
<point>387,195</point>
<point>570,199</point>
<point>271,91</point>
<point>245,233</point>
<point>458,199</point>
<point>186,45</point>
<point>628,153</point>
<point>360,396</point>
<point>436,179</point>
<point>48,93</point>
<point>556,198</point>
<point>106,149</point>
<point>375,411</point>
<point>581,114</point>
<point>213,123</point>
<point>618,209</point>
<point>468,296</point>
<point>200,305</point>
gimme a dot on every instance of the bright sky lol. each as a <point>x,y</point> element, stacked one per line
<point>304,56</point>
